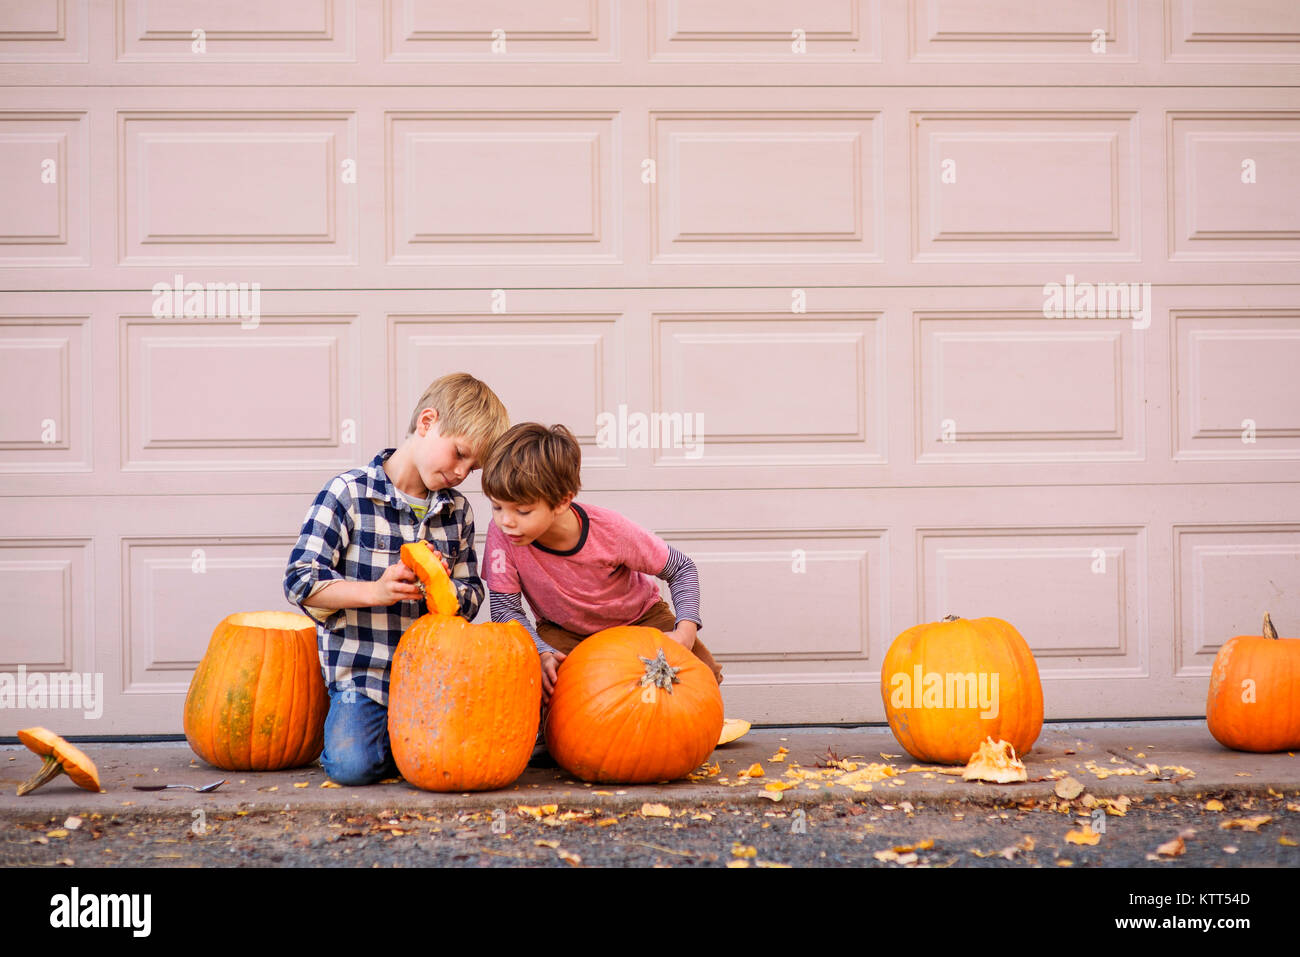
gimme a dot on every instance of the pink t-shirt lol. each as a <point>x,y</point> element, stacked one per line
<point>600,583</point>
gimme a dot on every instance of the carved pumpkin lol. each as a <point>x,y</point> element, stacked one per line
<point>949,685</point>
<point>439,593</point>
<point>257,701</point>
<point>1254,699</point>
<point>632,706</point>
<point>464,702</point>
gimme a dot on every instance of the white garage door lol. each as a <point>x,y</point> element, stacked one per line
<point>828,231</point>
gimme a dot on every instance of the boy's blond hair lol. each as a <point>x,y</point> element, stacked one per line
<point>466,407</point>
<point>532,463</point>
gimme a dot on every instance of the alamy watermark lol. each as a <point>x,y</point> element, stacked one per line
<point>1098,300</point>
<point>214,300</point>
<point>950,689</point>
<point>655,430</point>
<point>58,690</point>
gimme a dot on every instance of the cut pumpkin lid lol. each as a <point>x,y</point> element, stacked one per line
<point>733,728</point>
<point>60,758</point>
<point>439,592</point>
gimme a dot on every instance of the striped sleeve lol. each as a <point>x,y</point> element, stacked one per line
<point>509,606</point>
<point>683,585</point>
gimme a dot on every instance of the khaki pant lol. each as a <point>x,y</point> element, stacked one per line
<point>660,616</point>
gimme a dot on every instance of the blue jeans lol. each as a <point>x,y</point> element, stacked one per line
<point>356,740</point>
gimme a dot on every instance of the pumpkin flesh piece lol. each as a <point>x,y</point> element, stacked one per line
<point>440,593</point>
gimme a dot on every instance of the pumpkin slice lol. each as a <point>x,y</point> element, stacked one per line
<point>439,592</point>
<point>733,728</point>
<point>995,761</point>
<point>60,758</point>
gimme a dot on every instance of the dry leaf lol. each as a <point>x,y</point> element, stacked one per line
<point>1068,788</point>
<point>550,844</point>
<point>737,863</point>
<point>1286,842</point>
<point>606,821</point>
<point>301,784</point>
<point>331,784</point>
<point>778,786</point>
<point>743,850</point>
<point>769,864</point>
<point>1085,836</point>
<point>1174,848</point>
<point>72,823</point>
<point>57,832</point>
<point>1247,823</point>
<point>573,859</point>
<point>1064,862</point>
<point>1214,805</point>
<point>655,810</point>
<point>1229,849</point>
<point>771,795</point>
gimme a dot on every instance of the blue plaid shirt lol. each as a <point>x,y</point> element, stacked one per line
<point>354,530</point>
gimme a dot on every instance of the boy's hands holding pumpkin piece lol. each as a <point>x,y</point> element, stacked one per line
<point>550,664</point>
<point>397,583</point>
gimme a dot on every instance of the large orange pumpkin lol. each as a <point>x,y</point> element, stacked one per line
<point>1254,699</point>
<point>257,701</point>
<point>632,706</point>
<point>463,703</point>
<point>949,685</point>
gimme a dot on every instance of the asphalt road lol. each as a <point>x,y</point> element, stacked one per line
<point>839,834</point>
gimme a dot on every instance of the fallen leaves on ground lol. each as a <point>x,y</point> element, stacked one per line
<point>1247,823</point>
<point>655,810</point>
<point>743,850</point>
<point>1175,848</point>
<point>1085,836</point>
<point>1214,805</point>
<point>1068,788</point>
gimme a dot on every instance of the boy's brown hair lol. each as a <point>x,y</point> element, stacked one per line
<point>466,407</point>
<point>532,463</point>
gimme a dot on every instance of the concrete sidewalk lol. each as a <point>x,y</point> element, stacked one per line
<point>1108,759</point>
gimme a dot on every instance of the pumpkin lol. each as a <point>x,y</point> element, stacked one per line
<point>439,592</point>
<point>60,758</point>
<point>949,685</point>
<point>632,706</point>
<point>257,701</point>
<point>1254,699</point>
<point>464,703</point>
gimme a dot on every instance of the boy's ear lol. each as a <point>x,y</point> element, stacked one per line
<point>427,420</point>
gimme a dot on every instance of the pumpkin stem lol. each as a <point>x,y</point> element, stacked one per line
<point>1269,630</point>
<point>51,768</point>
<point>952,618</point>
<point>659,672</point>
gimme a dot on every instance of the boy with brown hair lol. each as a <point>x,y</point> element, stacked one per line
<point>583,568</point>
<point>346,571</point>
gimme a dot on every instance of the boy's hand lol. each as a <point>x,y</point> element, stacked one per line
<point>397,583</point>
<point>684,634</point>
<point>550,664</point>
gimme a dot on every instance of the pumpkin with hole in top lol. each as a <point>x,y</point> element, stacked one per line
<point>950,685</point>
<point>464,702</point>
<point>1254,698</point>
<point>257,701</point>
<point>632,706</point>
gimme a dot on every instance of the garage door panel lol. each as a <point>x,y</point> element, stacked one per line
<point>45,394</point>
<point>1225,30</point>
<point>1228,576</point>
<point>236,187</point>
<point>175,591</point>
<point>291,30</point>
<point>45,600</point>
<point>1230,189</point>
<point>45,207</point>
<point>225,395</point>
<point>1076,595</point>
<point>49,31</point>
<point>1236,390</point>
<point>1009,30</point>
